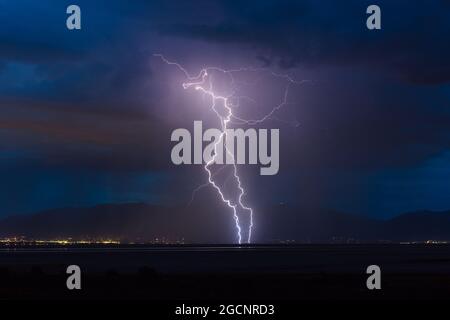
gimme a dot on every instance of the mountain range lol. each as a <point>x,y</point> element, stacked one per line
<point>145,222</point>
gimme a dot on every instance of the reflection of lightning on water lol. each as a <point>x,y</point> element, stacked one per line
<point>203,83</point>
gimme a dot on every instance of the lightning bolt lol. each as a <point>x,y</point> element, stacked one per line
<point>202,82</point>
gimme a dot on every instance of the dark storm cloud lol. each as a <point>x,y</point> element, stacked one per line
<point>77,99</point>
<point>309,33</point>
<point>380,115</point>
<point>371,126</point>
<point>101,65</point>
<point>11,49</point>
<point>94,101</point>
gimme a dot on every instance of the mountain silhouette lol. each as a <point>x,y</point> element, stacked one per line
<point>145,222</point>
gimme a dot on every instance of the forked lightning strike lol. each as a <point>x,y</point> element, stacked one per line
<point>201,82</point>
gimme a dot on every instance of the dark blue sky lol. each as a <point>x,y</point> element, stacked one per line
<point>86,115</point>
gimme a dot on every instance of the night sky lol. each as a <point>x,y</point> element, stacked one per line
<point>86,116</point>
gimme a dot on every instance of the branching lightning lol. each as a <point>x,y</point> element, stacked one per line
<point>203,83</point>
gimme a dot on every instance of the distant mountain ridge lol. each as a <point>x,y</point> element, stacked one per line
<point>145,222</point>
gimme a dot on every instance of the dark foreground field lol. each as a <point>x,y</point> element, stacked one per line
<point>227,273</point>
